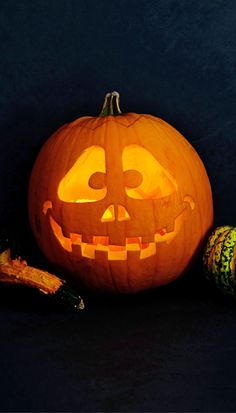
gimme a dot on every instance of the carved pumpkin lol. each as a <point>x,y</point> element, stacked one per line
<point>121,202</point>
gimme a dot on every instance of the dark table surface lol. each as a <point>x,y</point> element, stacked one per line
<point>169,349</point>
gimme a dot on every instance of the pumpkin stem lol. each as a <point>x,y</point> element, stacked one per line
<point>111,105</point>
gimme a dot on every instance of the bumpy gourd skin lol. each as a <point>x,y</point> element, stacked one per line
<point>219,259</point>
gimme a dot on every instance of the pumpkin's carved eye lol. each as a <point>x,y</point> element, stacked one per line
<point>85,182</point>
<point>145,178</point>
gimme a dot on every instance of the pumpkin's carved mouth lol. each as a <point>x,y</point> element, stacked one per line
<point>100,245</point>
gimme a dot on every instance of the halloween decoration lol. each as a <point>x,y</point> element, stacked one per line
<point>16,271</point>
<point>219,259</point>
<point>121,202</point>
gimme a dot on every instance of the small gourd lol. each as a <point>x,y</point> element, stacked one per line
<point>219,259</point>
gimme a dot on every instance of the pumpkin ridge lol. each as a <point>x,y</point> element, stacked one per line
<point>127,270</point>
<point>188,167</point>
<point>126,120</point>
<point>157,127</point>
<point>172,142</point>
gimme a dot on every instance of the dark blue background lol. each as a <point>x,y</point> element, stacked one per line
<point>176,59</point>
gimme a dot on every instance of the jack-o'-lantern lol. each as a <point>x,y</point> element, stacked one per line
<point>121,202</point>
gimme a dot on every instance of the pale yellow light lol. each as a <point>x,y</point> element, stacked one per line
<point>156,181</point>
<point>74,186</point>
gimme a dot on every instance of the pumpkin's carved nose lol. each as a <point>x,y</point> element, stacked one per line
<point>115,212</point>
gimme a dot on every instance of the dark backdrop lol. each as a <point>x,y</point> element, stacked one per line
<point>172,349</point>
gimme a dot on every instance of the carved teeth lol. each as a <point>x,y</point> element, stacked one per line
<point>100,244</point>
<point>117,255</point>
<point>100,247</point>
<point>133,247</point>
<point>103,240</point>
<point>47,205</point>
<point>88,250</point>
<point>150,250</point>
<point>134,240</point>
<point>76,238</point>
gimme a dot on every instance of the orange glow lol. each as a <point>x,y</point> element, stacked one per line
<point>103,240</point>
<point>123,214</point>
<point>47,205</point>
<point>115,252</point>
<point>110,214</point>
<point>74,186</point>
<point>156,181</point>
<point>65,242</point>
<point>84,182</point>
